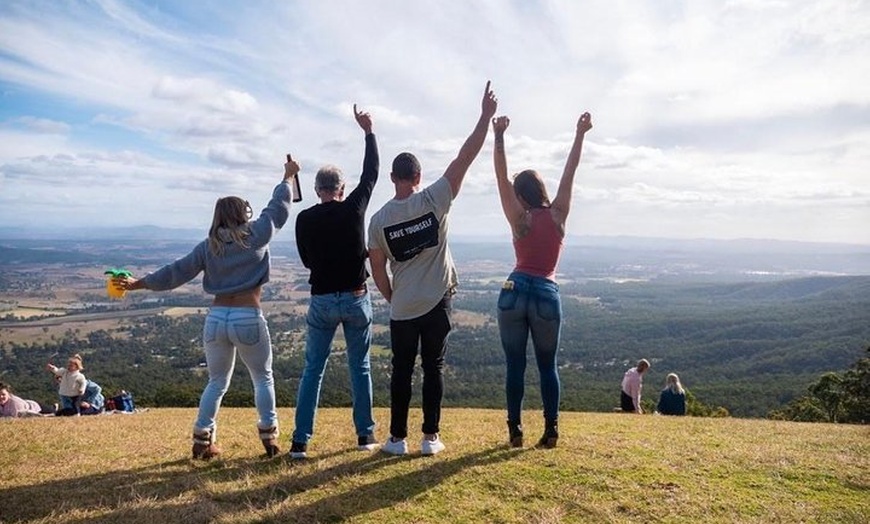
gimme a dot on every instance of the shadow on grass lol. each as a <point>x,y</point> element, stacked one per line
<point>144,494</point>
<point>390,491</point>
<point>193,492</point>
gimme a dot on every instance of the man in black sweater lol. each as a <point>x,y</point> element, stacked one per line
<point>330,237</point>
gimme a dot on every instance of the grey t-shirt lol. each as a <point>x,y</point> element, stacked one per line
<point>412,233</point>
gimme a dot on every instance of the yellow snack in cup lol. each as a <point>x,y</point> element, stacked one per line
<point>114,291</point>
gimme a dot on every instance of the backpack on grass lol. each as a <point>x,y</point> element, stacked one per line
<point>123,402</point>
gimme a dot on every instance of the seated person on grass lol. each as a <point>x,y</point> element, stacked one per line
<point>91,401</point>
<point>12,406</point>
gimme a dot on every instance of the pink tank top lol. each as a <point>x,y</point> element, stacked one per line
<point>538,251</point>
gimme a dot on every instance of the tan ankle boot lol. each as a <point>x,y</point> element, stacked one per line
<point>203,446</point>
<point>269,437</point>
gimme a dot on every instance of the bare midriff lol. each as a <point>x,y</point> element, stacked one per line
<point>249,298</point>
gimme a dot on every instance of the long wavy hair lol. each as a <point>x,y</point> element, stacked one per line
<point>672,382</point>
<point>230,223</point>
<point>529,186</point>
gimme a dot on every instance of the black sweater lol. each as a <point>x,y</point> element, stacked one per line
<point>330,236</point>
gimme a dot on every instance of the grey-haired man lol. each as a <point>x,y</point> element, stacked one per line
<point>330,237</point>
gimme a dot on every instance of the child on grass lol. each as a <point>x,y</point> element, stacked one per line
<point>72,383</point>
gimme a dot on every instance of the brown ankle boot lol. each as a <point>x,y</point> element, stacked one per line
<point>515,434</point>
<point>269,437</point>
<point>204,447</point>
<point>550,436</point>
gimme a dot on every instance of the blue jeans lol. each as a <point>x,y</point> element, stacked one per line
<point>71,405</point>
<point>529,304</point>
<point>353,310</point>
<point>227,330</point>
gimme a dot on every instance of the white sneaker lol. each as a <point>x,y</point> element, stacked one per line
<point>298,450</point>
<point>395,447</point>
<point>431,447</point>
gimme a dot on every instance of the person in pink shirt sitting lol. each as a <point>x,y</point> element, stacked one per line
<point>13,407</point>
<point>632,384</point>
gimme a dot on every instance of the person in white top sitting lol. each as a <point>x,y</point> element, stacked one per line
<point>71,384</point>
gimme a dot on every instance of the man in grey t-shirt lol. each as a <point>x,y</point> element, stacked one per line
<point>411,232</point>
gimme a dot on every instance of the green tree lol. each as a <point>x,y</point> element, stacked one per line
<point>172,395</point>
<point>856,389</point>
<point>803,409</point>
<point>828,391</point>
<point>834,397</point>
<point>696,408</point>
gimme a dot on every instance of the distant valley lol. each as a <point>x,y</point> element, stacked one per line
<point>748,325</point>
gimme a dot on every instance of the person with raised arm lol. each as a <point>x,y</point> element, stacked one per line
<point>529,301</point>
<point>71,384</point>
<point>330,237</point>
<point>235,263</point>
<point>410,231</point>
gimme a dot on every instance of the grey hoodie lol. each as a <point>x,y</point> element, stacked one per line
<point>239,268</point>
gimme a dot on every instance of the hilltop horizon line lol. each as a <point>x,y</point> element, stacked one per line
<point>150,231</point>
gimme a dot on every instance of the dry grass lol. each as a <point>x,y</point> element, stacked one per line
<point>184,311</point>
<point>25,313</point>
<point>462,317</point>
<point>51,333</point>
<point>607,468</point>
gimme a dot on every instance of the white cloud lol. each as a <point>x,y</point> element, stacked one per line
<point>43,125</point>
<point>729,119</point>
<point>204,93</point>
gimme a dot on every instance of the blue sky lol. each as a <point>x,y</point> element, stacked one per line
<point>713,119</point>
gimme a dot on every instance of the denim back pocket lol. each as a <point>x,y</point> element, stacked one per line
<point>507,299</point>
<point>359,313</point>
<point>549,306</point>
<point>209,330</point>
<point>248,333</point>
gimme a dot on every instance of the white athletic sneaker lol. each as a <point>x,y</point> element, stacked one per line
<point>431,447</point>
<point>298,450</point>
<point>395,447</point>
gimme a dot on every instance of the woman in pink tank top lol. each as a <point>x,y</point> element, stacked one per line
<point>529,302</point>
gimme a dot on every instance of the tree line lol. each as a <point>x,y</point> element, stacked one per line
<point>834,397</point>
<point>744,349</point>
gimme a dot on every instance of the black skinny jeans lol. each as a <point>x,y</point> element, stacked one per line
<point>429,333</point>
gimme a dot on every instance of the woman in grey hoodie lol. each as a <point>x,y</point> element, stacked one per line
<point>234,260</point>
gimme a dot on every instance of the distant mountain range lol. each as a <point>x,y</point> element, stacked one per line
<point>584,256</point>
<point>623,242</point>
<point>97,233</point>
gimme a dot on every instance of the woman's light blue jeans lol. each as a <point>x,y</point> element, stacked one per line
<point>227,330</point>
<point>530,305</point>
<point>353,310</point>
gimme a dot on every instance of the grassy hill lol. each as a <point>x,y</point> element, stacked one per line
<point>608,467</point>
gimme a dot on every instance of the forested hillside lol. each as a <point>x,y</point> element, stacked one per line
<point>749,347</point>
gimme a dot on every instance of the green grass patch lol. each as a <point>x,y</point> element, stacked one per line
<point>606,468</point>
